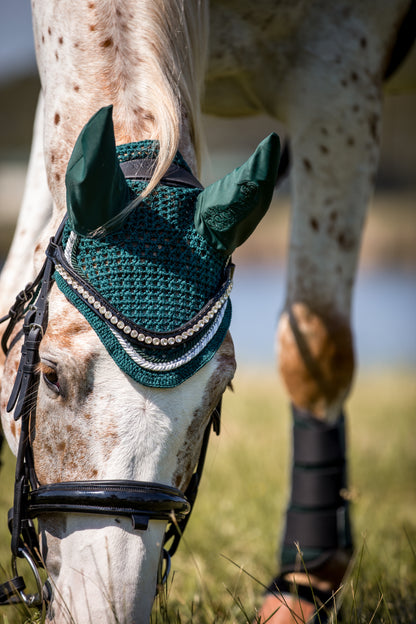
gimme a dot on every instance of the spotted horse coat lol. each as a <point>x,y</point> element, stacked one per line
<point>318,68</point>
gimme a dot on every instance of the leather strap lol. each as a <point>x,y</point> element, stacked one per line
<point>141,501</point>
<point>325,529</point>
<point>9,591</point>
<point>143,169</point>
<point>175,531</point>
<point>315,442</point>
<point>317,488</point>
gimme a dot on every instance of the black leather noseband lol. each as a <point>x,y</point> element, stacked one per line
<point>140,501</point>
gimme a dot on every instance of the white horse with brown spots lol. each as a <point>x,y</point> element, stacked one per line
<point>318,68</point>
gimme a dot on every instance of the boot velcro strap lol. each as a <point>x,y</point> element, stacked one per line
<point>326,529</point>
<point>317,488</point>
<point>321,444</point>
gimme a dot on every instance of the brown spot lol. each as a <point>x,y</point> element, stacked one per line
<point>57,177</point>
<point>87,416</point>
<point>43,38</point>
<point>63,335</point>
<point>109,440</point>
<point>307,164</point>
<point>76,44</point>
<point>61,446</point>
<point>60,40</point>
<point>316,357</point>
<point>350,141</point>
<point>91,5</point>
<point>92,27</point>
<point>324,149</point>
<point>52,157</point>
<point>94,472</point>
<point>345,241</point>
<point>354,76</point>
<point>76,88</point>
<point>13,428</point>
<point>107,43</point>
<point>57,118</point>
<point>363,42</point>
<point>49,31</point>
<point>57,56</point>
<point>314,224</point>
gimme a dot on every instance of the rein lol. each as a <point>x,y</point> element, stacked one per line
<point>141,501</point>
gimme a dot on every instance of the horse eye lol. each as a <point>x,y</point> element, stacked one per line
<point>50,377</point>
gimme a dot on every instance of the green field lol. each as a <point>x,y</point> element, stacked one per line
<point>229,549</point>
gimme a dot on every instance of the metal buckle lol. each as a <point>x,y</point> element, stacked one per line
<point>36,326</point>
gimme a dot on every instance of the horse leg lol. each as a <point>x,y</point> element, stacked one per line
<point>335,136</point>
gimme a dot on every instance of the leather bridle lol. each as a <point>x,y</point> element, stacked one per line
<point>140,501</point>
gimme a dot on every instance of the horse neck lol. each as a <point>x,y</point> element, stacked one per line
<point>128,54</point>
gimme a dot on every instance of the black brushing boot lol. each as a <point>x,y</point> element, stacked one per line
<point>317,538</point>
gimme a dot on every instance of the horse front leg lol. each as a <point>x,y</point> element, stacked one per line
<point>335,155</point>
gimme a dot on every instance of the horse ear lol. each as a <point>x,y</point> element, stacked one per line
<point>96,189</point>
<point>229,210</point>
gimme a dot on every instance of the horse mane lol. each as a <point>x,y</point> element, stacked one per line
<point>175,60</point>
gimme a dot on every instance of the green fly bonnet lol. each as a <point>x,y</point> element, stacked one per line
<point>155,284</point>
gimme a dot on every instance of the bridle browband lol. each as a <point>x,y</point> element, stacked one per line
<point>140,501</point>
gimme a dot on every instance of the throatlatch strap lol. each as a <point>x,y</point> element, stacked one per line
<point>317,517</point>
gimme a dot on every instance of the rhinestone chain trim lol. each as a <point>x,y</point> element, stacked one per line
<point>178,362</point>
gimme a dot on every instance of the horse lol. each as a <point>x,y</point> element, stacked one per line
<point>130,80</point>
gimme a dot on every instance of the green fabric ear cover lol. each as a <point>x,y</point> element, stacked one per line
<point>229,210</point>
<point>96,189</point>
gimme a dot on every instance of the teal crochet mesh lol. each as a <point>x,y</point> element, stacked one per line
<point>156,269</point>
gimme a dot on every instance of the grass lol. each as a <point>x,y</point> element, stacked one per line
<point>229,550</point>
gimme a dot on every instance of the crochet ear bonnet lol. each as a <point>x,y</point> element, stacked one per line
<point>155,286</point>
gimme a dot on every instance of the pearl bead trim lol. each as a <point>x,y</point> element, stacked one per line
<point>168,340</point>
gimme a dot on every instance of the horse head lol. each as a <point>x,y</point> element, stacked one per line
<point>135,357</point>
